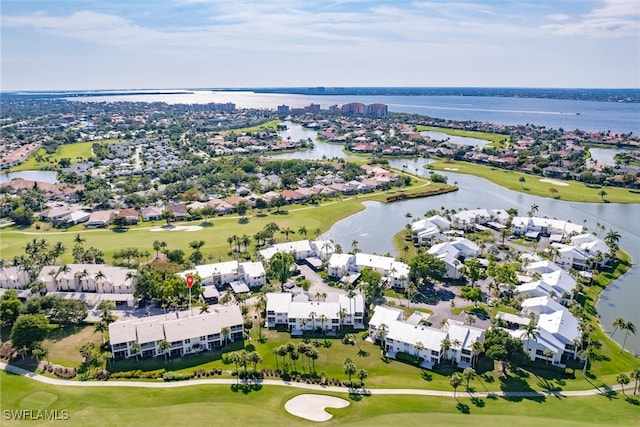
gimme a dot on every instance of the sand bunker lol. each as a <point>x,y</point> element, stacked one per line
<point>554,182</point>
<point>451,169</point>
<point>177,228</point>
<point>311,406</point>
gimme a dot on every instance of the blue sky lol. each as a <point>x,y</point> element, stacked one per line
<point>95,44</point>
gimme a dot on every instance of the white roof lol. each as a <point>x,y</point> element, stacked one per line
<point>175,326</point>
<point>431,338</point>
<point>303,310</point>
<point>340,260</point>
<point>545,266</point>
<point>467,335</point>
<point>353,305</point>
<point>295,247</point>
<point>253,269</point>
<point>209,270</point>
<point>543,304</point>
<point>386,315</point>
<point>278,302</point>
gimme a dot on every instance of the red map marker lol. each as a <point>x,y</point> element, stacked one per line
<point>189,281</point>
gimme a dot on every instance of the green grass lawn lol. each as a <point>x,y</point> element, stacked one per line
<point>270,125</point>
<point>206,404</point>
<point>72,151</point>
<point>215,230</point>
<point>497,139</point>
<point>572,191</point>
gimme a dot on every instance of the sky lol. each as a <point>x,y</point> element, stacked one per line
<point>126,44</point>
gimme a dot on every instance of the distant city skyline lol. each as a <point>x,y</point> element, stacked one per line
<point>84,45</point>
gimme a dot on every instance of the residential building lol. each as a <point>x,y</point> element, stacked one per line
<point>100,219</point>
<point>395,272</point>
<point>185,332</point>
<point>14,277</point>
<point>298,313</point>
<point>453,253</point>
<point>90,282</point>
<point>425,342</point>
<point>222,274</point>
<point>425,231</point>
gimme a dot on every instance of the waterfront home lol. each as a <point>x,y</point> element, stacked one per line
<point>395,272</point>
<point>298,313</point>
<point>425,231</point>
<point>558,330</point>
<point>556,229</point>
<point>185,332</point>
<point>582,252</point>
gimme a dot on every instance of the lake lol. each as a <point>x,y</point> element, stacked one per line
<point>44,176</point>
<point>375,226</point>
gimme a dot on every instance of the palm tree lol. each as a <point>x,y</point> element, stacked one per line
<point>163,346</point>
<point>445,346</point>
<point>302,231</point>
<point>342,314</point>
<point>530,331</point>
<point>612,239</point>
<point>635,374</point>
<point>323,319</point>
<point>362,374</point>
<point>235,358</point>
<point>419,346</point>
<point>628,327</point>
<point>522,181</point>
<point>623,380</point>
<point>226,331</point>
<point>276,353</point>
<point>602,193</point>
<point>204,308</point>
<point>468,374</point>
<point>411,290</point>
<point>534,208</point>
<point>455,381</point>
<point>102,327</point>
<point>587,354</point>
<point>135,349</point>
<point>255,358</point>
<point>313,355</point>
<point>354,246</point>
<point>477,348</point>
<point>443,322</point>
<point>381,333</point>
<point>349,368</point>
<point>619,322</point>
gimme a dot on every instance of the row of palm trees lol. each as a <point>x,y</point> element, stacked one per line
<point>293,353</point>
<point>623,325</point>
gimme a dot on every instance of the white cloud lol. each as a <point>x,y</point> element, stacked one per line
<point>618,18</point>
<point>558,17</point>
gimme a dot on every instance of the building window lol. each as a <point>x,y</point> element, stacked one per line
<point>187,341</point>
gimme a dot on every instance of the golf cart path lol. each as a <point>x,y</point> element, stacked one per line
<point>416,392</point>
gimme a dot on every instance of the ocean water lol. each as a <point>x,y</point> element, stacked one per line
<point>591,116</point>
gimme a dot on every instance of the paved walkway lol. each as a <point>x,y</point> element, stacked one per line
<point>416,392</point>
